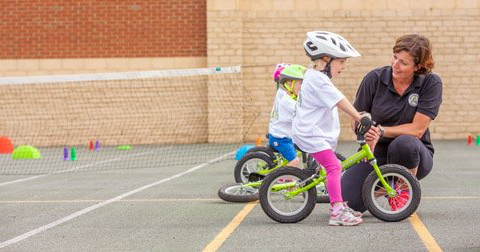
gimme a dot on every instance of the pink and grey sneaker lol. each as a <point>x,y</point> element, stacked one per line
<point>341,216</point>
<point>355,213</point>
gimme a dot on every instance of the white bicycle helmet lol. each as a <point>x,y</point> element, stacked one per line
<point>324,43</point>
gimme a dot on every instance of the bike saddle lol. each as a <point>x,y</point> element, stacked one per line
<point>304,154</point>
<point>254,176</point>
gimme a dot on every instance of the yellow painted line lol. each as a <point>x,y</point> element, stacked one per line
<point>424,234</point>
<point>100,200</point>
<point>220,238</point>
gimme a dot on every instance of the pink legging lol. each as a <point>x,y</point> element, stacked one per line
<point>328,160</point>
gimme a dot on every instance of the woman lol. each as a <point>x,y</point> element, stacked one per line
<point>403,99</point>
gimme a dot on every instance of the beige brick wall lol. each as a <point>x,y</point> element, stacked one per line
<point>149,111</point>
<point>260,33</point>
<point>158,111</point>
<point>227,102</point>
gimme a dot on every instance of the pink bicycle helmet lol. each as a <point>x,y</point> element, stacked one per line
<point>278,70</point>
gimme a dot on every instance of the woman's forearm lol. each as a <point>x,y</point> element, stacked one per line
<point>403,129</point>
<point>417,128</point>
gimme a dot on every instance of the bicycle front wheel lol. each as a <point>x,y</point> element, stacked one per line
<point>274,200</point>
<point>267,150</point>
<point>392,209</point>
<point>250,163</point>
<point>237,192</point>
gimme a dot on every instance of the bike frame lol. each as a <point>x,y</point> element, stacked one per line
<point>280,161</point>
<point>364,152</point>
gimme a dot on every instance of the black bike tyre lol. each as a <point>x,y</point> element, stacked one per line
<point>270,212</point>
<point>254,155</point>
<point>267,150</point>
<point>369,201</point>
<point>223,193</point>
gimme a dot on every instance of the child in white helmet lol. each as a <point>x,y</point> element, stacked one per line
<point>289,80</point>
<point>316,126</point>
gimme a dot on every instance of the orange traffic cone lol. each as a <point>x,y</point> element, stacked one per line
<point>259,141</point>
<point>6,145</point>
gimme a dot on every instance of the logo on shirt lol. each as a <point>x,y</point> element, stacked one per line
<point>298,103</point>
<point>274,113</point>
<point>413,100</point>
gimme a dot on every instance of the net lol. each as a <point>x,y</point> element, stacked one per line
<point>141,120</point>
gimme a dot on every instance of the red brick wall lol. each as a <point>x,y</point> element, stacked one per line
<point>104,28</point>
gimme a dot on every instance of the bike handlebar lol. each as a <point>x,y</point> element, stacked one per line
<point>364,126</point>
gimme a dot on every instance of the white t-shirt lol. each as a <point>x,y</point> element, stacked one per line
<point>281,116</point>
<point>315,125</point>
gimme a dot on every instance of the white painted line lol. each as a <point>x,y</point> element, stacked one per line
<point>162,200</point>
<point>104,203</point>
<point>95,201</point>
<point>79,167</point>
<point>21,180</point>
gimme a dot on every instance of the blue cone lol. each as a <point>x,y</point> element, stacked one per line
<point>242,150</point>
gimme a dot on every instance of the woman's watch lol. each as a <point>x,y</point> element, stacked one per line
<point>382,130</point>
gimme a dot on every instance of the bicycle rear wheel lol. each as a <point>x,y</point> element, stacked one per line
<point>274,202</point>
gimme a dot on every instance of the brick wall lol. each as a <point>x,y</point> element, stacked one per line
<point>102,29</point>
<point>255,34</point>
<point>270,31</point>
<point>146,111</point>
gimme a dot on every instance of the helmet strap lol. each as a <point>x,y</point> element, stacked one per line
<point>327,69</point>
<point>290,89</point>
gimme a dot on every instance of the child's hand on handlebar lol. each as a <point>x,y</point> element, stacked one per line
<point>363,125</point>
<point>363,113</point>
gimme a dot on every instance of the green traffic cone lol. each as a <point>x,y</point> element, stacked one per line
<point>478,140</point>
<point>73,154</point>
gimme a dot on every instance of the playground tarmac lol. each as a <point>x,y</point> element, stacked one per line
<point>177,209</point>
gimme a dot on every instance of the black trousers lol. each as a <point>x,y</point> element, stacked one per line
<point>404,150</point>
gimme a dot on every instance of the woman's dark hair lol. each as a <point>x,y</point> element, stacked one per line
<point>419,48</point>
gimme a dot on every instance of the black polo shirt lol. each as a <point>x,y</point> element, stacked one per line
<point>377,96</point>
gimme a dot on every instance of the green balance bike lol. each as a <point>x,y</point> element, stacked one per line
<point>255,165</point>
<point>390,193</point>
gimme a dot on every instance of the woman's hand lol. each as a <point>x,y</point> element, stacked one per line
<point>372,137</point>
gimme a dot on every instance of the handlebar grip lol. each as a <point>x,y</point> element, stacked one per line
<point>366,121</point>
